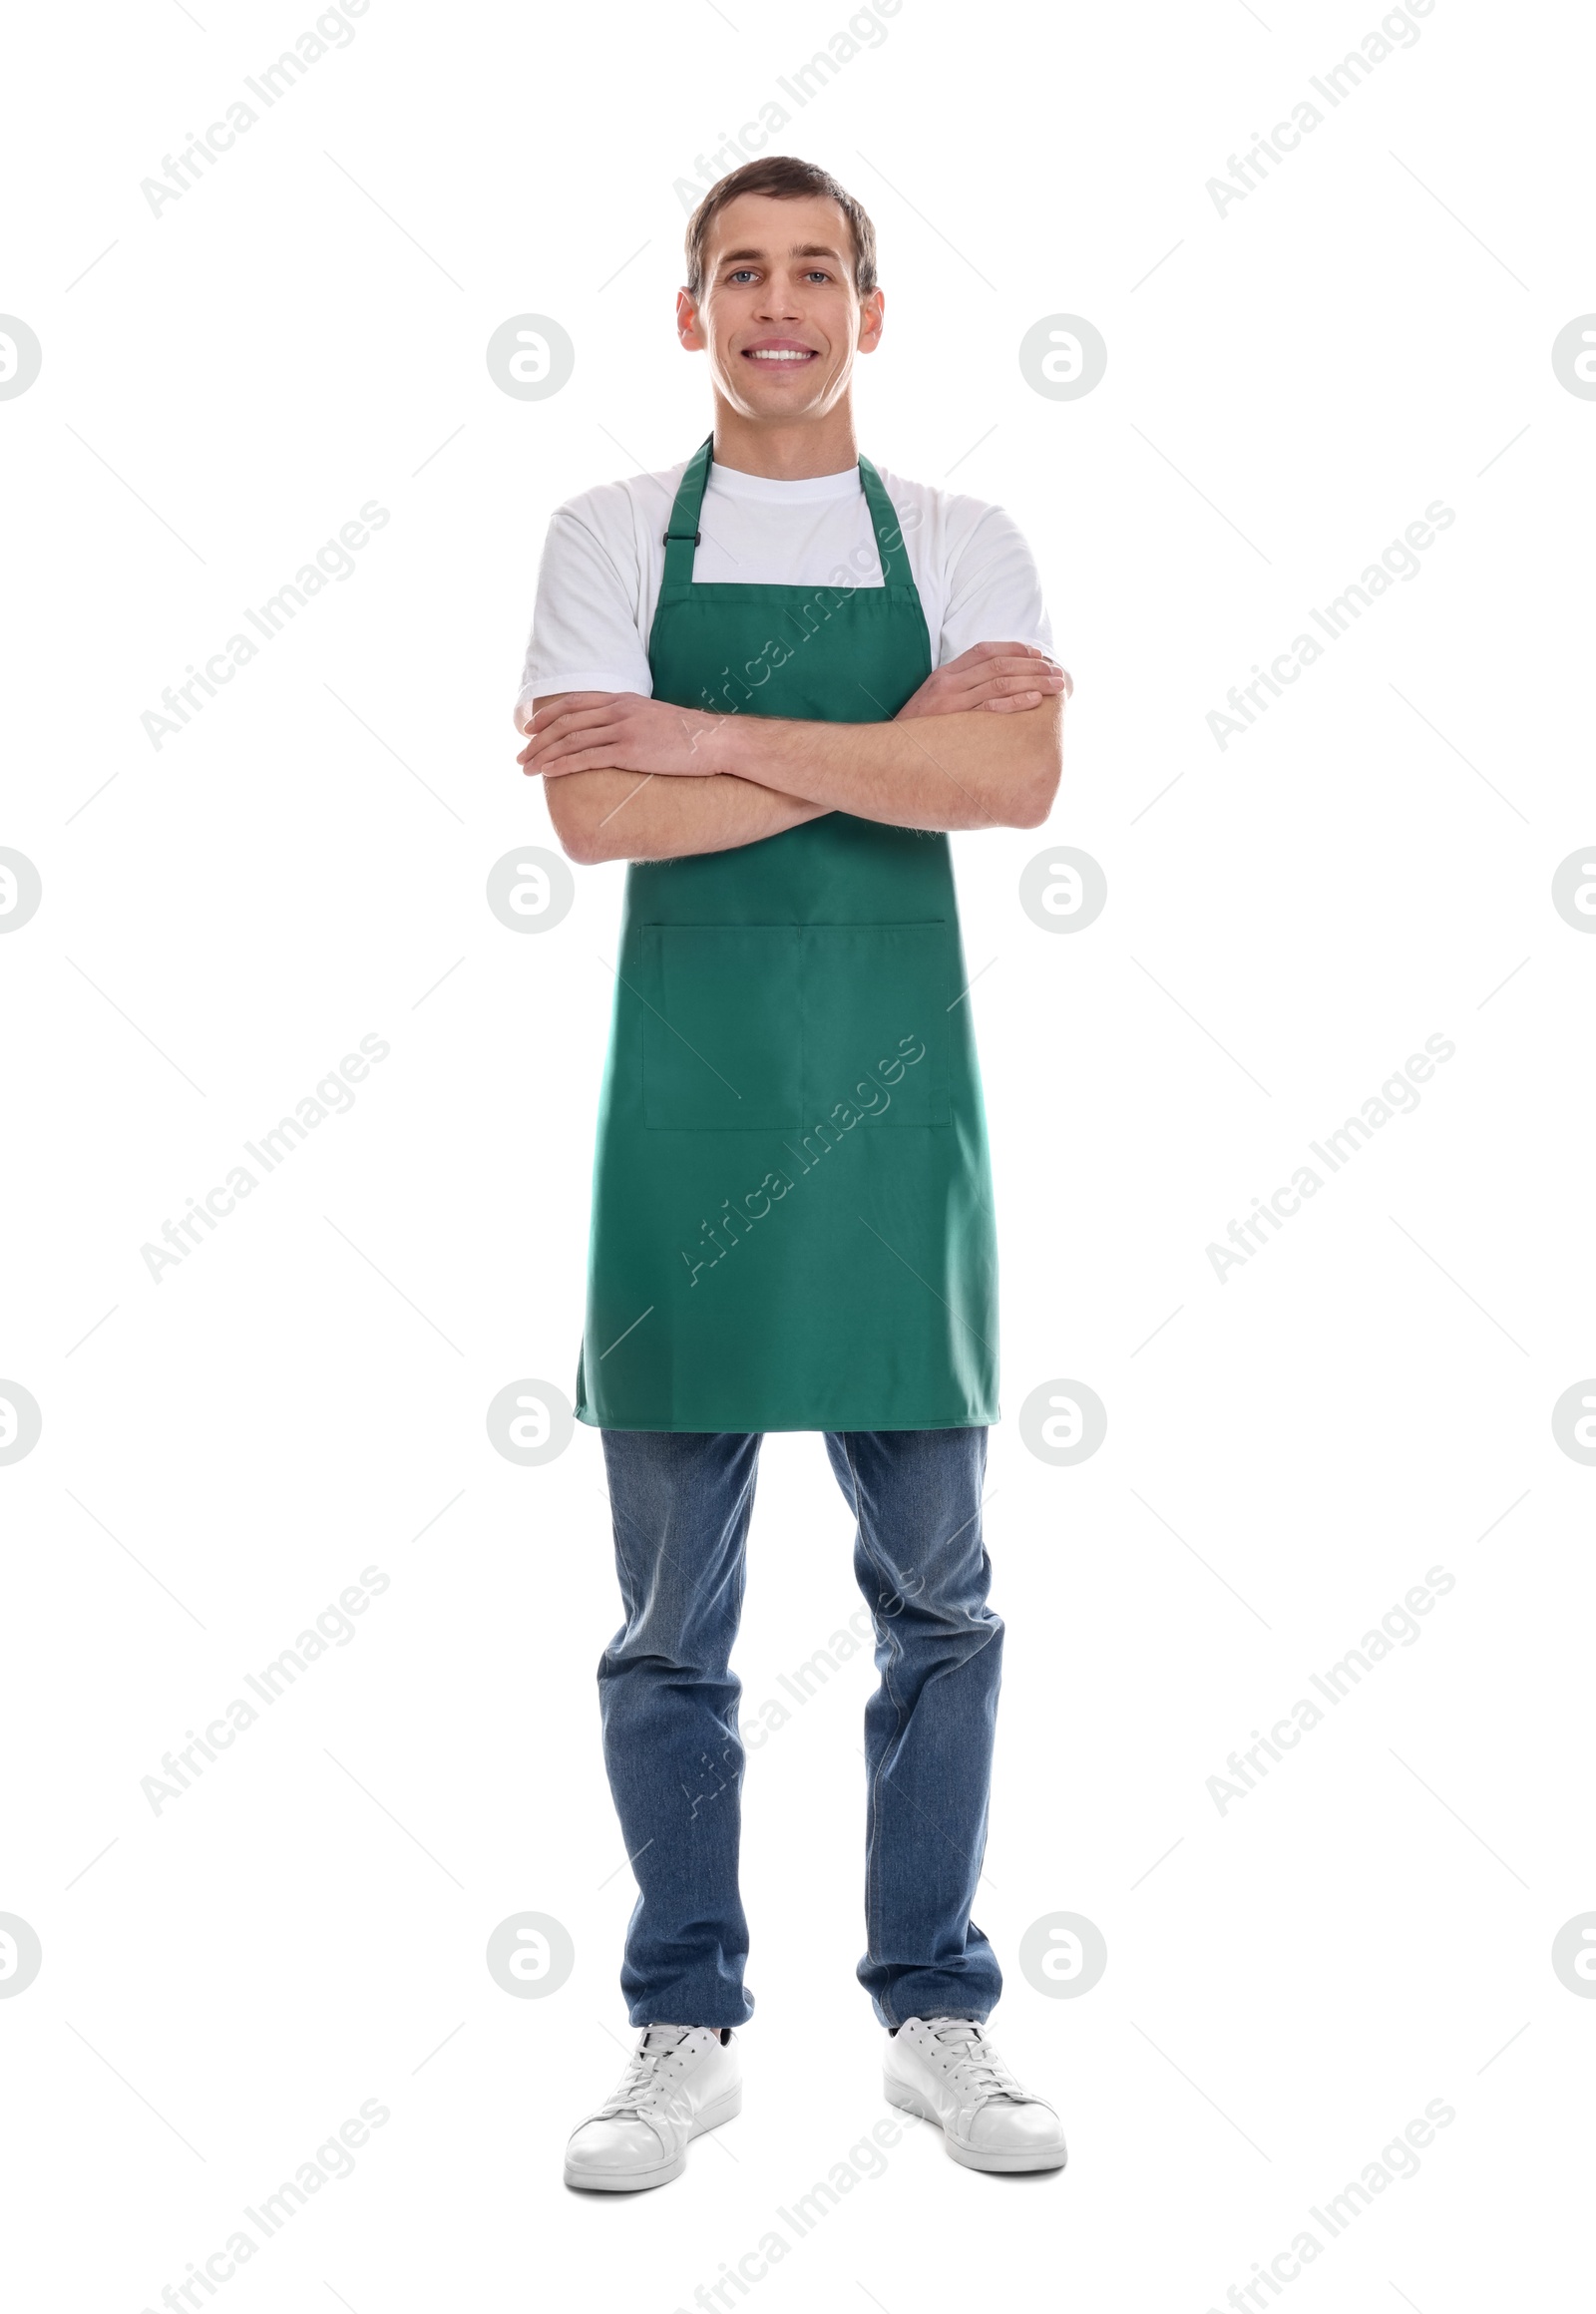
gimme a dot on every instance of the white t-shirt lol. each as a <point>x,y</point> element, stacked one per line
<point>605,557</point>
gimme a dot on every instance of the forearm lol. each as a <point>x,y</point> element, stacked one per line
<point>975,747</point>
<point>967,770</point>
<point>626,815</point>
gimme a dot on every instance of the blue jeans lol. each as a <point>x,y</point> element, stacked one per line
<point>681,1502</point>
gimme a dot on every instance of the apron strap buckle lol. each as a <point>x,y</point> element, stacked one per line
<point>696,536</point>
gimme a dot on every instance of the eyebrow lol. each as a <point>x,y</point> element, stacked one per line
<point>802,249</point>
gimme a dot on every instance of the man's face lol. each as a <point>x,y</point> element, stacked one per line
<point>779,316</point>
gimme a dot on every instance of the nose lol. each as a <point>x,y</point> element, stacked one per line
<point>779,301</point>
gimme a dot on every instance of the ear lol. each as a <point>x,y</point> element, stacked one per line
<point>688,327</point>
<point>872,312</point>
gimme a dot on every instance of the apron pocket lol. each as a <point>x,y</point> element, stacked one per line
<point>876,999</point>
<point>721,1028</point>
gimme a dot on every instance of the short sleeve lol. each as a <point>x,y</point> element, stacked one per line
<point>993,590</point>
<point>585,623</point>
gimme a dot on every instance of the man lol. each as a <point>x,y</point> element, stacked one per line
<point>772,679</point>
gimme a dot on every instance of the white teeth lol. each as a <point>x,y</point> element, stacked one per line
<point>777,353</point>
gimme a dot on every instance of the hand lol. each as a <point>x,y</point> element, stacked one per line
<point>1000,677</point>
<point>622,731</point>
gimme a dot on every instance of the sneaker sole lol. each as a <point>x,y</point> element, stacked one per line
<point>973,2156</point>
<point>724,2109</point>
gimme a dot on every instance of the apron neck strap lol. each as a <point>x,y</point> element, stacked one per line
<point>888,531</point>
<point>682,532</point>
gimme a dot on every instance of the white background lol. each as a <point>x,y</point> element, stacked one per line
<point>1289,1983</point>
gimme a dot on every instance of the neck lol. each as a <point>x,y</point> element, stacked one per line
<point>793,450</point>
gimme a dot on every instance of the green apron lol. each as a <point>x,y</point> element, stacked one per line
<point>792,1225</point>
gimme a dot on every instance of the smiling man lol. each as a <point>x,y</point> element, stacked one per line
<point>773,678</point>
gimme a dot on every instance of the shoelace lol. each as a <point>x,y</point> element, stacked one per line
<point>976,2060</point>
<point>641,2087</point>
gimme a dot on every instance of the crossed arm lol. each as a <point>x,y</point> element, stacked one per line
<point>979,745</point>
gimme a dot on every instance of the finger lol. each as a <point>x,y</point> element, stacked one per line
<point>1035,668</point>
<point>1005,686</point>
<point>589,759</point>
<point>576,729</point>
<point>1028,650</point>
<point>1009,706</point>
<point>554,708</point>
<point>603,743</point>
<point>973,666</point>
<point>603,710</point>
<point>976,654</point>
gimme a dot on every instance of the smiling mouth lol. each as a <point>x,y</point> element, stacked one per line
<point>772,356</point>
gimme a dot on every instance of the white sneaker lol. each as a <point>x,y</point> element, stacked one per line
<point>683,2080</point>
<point>946,2069</point>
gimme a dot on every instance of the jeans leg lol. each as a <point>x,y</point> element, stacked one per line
<point>924,1572</point>
<point>681,1502</point>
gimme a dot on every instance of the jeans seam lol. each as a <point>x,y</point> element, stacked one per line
<point>872,1860</point>
<point>726,1615</point>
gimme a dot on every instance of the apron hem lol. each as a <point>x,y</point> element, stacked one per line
<point>793,1429</point>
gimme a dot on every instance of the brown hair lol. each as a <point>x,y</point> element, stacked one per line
<point>783,179</point>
